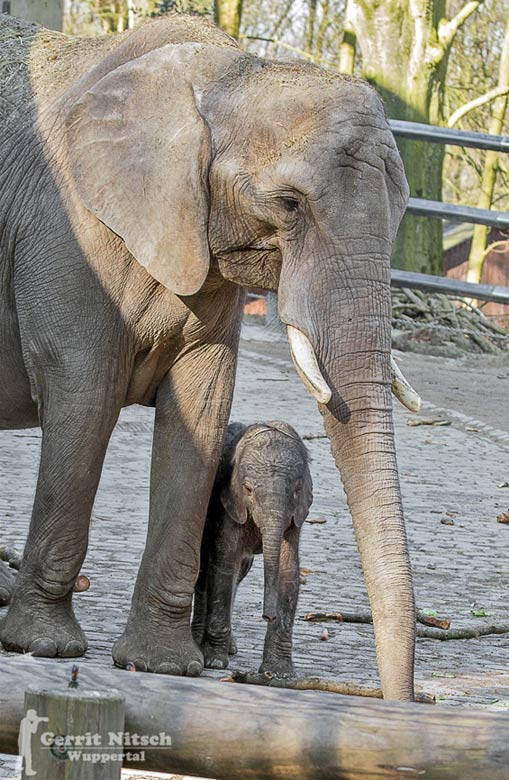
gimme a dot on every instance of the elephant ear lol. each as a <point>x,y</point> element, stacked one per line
<point>305,499</point>
<point>139,153</point>
<point>233,504</point>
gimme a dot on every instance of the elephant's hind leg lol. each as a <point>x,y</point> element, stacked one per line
<point>76,430</point>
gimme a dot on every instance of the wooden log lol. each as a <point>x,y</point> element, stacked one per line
<point>237,732</point>
<point>72,732</point>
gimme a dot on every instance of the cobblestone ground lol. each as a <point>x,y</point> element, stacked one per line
<point>447,473</point>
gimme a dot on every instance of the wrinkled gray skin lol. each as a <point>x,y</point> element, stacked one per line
<point>261,497</point>
<point>7,582</point>
<point>134,209</point>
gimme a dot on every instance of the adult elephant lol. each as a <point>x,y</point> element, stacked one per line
<point>135,207</point>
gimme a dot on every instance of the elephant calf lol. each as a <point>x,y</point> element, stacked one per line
<point>261,497</point>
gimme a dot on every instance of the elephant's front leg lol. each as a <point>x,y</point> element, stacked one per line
<point>192,409</point>
<point>277,651</point>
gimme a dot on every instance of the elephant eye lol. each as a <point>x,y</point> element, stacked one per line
<point>290,204</point>
<point>247,489</point>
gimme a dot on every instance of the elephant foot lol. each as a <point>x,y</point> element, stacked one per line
<point>215,657</point>
<point>7,583</point>
<point>170,653</point>
<point>45,630</point>
<point>233,648</point>
<point>279,667</point>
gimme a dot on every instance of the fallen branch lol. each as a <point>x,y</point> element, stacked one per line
<point>364,616</point>
<point>315,684</point>
<point>433,628</point>
<point>463,633</point>
<point>436,317</point>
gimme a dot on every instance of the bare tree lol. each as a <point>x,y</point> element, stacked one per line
<point>405,49</point>
<point>489,176</point>
<point>228,15</point>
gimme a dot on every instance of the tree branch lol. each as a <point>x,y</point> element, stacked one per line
<point>284,45</point>
<point>364,616</point>
<point>476,103</point>
<point>315,684</point>
<point>447,30</point>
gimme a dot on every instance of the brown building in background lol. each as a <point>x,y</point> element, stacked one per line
<point>457,240</point>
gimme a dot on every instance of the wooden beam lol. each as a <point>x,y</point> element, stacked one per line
<point>232,732</point>
<point>62,712</point>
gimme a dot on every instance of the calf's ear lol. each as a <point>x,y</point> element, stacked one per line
<point>305,500</point>
<point>233,504</point>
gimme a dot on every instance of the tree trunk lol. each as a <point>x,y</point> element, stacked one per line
<point>240,732</point>
<point>228,15</point>
<point>348,44</point>
<point>310,28</point>
<point>489,175</point>
<point>404,55</point>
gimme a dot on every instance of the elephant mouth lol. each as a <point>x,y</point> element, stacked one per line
<point>260,246</point>
<point>306,364</point>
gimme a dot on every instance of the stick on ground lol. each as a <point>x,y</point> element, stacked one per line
<point>315,684</point>
<point>433,628</point>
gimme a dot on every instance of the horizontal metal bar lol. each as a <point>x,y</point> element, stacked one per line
<point>435,208</point>
<point>447,135</point>
<point>484,292</point>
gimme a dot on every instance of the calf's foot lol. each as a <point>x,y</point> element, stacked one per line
<point>279,667</point>
<point>162,652</point>
<point>215,656</point>
<point>45,629</point>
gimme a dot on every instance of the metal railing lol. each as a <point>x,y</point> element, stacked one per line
<point>436,209</point>
<point>429,283</point>
<point>446,135</point>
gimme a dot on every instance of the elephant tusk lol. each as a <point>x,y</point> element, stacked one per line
<point>403,391</point>
<point>305,362</point>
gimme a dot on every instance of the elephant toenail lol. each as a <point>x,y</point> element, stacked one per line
<point>43,648</point>
<point>5,597</point>
<point>73,649</point>
<point>194,669</point>
<point>168,668</point>
<point>216,663</point>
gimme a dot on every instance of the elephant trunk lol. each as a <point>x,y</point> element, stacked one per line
<point>272,540</point>
<point>349,329</point>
